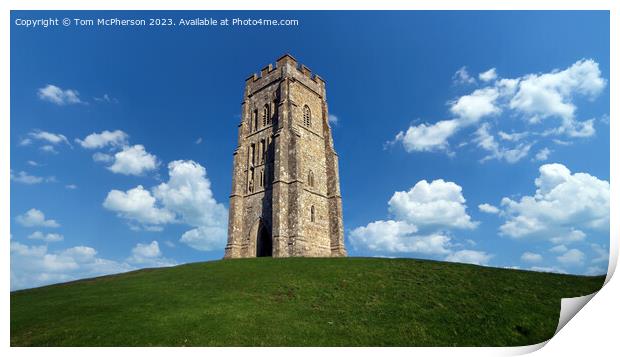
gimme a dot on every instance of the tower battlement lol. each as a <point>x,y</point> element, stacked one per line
<point>282,62</point>
<point>285,198</point>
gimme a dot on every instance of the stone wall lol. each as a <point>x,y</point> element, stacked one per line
<point>285,175</point>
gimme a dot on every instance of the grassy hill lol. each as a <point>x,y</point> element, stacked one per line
<point>299,302</point>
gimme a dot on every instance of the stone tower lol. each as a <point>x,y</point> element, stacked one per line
<point>285,198</point>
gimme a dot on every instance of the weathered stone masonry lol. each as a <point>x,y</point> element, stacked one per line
<point>285,198</point>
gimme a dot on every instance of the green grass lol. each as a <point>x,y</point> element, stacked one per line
<point>299,302</point>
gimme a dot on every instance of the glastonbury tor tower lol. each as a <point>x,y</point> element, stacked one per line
<point>285,199</point>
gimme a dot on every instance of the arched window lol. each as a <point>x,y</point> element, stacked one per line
<point>251,181</point>
<point>266,114</point>
<point>312,214</point>
<point>255,122</point>
<point>262,151</point>
<point>310,179</point>
<point>307,116</point>
<point>262,178</point>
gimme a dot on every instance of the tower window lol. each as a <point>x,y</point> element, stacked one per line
<point>266,115</point>
<point>307,116</point>
<point>312,214</point>
<point>310,178</point>
<point>255,122</point>
<point>262,151</point>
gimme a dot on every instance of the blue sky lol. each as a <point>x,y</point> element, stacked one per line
<point>478,137</point>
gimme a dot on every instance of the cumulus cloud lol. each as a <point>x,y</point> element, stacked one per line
<point>137,204</point>
<point>53,94</point>
<point>530,257</point>
<point>487,208</point>
<point>49,141</point>
<point>550,94</point>
<point>542,155</point>
<point>185,198</point>
<point>102,157</point>
<point>49,237</point>
<point>461,76</point>
<point>487,76</point>
<point>35,218</point>
<point>534,97</point>
<point>563,206</point>
<point>438,203</point>
<point>572,257</point>
<point>485,140</point>
<point>116,138</point>
<point>25,178</point>
<point>133,160</point>
<point>469,257</point>
<point>398,237</point>
<point>427,137</point>
<point>148,255</point>
<point>205,238</point>
<point>33,265</point>
<point>424,216</point>
<point>480,103</point>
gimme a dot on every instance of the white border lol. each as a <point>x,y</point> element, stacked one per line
<point>592,330</point>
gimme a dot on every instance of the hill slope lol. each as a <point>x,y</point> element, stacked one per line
<point>298,302</point>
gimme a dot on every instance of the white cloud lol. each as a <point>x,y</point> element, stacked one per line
<point>35,218</point>
<point>106,98</point>
<point>602,254</point>
<point>333,119</point>
<point>543,154</point>
<point>424,215</point>
<point>487,141</point>
<point>461,76</point>
<point>49,148</point>
<point>487,208</point>
<point>469,257</point>
<point>438,203</point>
<point>102,157</point>
<point>548,270</point>
<point>71,187</point>
<point>488,75</point>
<point>133,160</point>
<point>558,249</point>
<point>25,178</point>
<point>480,103</point>
<point>116,138</point>
<point>427,137</point>
<point>572,257</point>
<point>533,96</point>
<point>59,96</point>
<point>198,141</point>
<point>49,137</point>
<point>398,237</point>
<point>530,257</point>
<point>550,94</point>
<point>33,163</point>
<point>137,204</point>
<point>573,235</point>
<point>149,255</point>
<point>514,137</point>
<point>186,198</point>
<point>563,206</point>
<point>205,238</point>
<point>188,194</point>
<point>49,237</point>
<point>33,266</point>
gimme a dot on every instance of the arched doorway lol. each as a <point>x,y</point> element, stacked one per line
<point>263,242</point>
